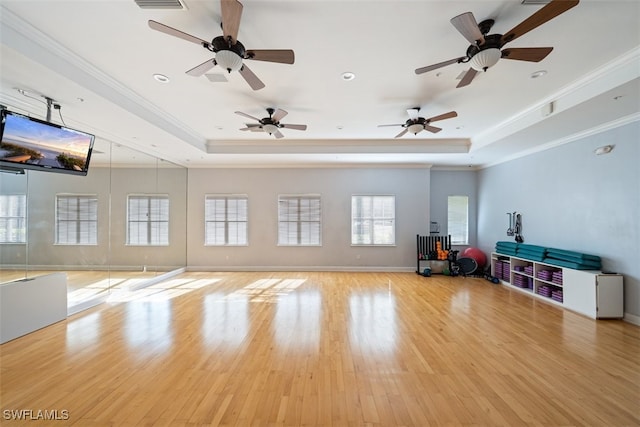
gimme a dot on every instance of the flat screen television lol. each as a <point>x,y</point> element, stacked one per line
<point>29,143</point>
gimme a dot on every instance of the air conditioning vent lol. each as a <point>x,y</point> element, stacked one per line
<point>160,4</point>
<point>535,2</point>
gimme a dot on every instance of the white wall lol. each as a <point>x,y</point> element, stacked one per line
<point>572,199</point>
<point>336,186</point>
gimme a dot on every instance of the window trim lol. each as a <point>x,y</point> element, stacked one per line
<point>55,232</point>
<point>395,221</point>
<point>168,221</point>
<point>299,197</point>
<point>233,196</point>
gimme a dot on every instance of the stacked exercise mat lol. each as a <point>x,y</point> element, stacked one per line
<point>559,257</point>
<point>507,248</point>
<point>521,250</point>
<point>571,259</point>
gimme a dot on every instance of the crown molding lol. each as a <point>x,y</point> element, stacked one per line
<point>27,40</point>
<point>615,73</point>
<point>570,138</point>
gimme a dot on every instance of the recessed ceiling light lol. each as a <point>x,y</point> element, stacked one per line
<point>161,78</point>
<point>348,76</point>
<point>605,149</point>
<point>538,73</point>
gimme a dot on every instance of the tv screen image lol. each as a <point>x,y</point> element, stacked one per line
<point>30,143</point>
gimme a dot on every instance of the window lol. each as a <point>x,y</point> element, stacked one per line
<point>13,218</point>
<point>373,220</point>
<point>458,219</point>
<point>148,220</point>
<point>76,220</point>
<point>225,218</point>
<point>299,220</point>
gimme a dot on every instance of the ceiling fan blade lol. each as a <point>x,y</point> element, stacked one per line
<point>252,79</point>
<point>384,126</point>
<point>402,133</point>
<point>176,33</point>
<point>413,113</point>
<point>439,65</point>
<point>547,13</point>
<point>467,26</point>
<point>468,77</point>
<point>231,14</point>
<point>283,56</point>
<point>253,127</point>
<point>199,70</point>
<point>247,116</point>
<point>432,129</point>
<point>278,134</point>
<point>296,127</point>
<point>449,115</point>
<point>532,54</point>
<point>279,115</point>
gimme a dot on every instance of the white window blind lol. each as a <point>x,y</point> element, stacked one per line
<point>373,220</point>
<point>225,219</point>
<point>299,220</point>
<point>76,219</point>
<point>148,220</point>
<point>13,218</point>
<point>458,219</point>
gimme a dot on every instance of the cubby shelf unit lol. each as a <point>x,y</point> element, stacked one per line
<point>588,292</point>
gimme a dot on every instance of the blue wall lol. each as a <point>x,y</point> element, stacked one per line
<point>572,199</point>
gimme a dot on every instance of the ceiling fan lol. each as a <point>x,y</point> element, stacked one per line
<point>229,52</point>
<point>484,51</point>
<point>417,124</point>
<point>270,124</point>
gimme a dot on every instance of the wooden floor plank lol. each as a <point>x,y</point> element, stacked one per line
<point>325,349</point>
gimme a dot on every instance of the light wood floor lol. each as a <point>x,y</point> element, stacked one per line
<point>325,349</point>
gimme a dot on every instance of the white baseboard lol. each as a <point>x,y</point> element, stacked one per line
<point>381,269</point>
<point>88,267</point>
<point>632,318</point>
<point>157,279</point>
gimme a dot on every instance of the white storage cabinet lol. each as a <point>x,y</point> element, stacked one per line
<point>588,292</point>
<point>594,294</point>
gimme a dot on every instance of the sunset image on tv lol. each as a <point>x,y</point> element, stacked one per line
<point>30,142</point>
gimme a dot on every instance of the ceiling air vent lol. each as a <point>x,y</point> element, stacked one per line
<point>160,4</point>
<point>535,2</point>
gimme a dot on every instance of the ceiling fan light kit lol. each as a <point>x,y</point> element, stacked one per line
<point>415,128</point>
<point>229,60</point>
<point>485,59</point>
<point>270,128</point>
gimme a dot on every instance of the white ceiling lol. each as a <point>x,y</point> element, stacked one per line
<point>96,58</point>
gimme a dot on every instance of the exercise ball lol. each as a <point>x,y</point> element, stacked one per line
<point>477,255</point>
